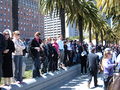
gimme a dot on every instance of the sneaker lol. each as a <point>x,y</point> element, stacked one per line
<point>20,82</point>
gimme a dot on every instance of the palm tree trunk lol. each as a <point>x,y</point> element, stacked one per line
<point>62,17</point>
<point>101,37</point>
<point>90,34</point>
<point>80,29</point>
<point>96,34</point>
<point>15,14</point>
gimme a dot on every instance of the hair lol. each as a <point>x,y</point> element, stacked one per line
<point>16,32</point>
<point>93,49</point>
<point>9,31</point>
<point>105,55</point>
<point>37,33</point>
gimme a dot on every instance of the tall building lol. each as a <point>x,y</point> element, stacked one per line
<point>71,31</point>
<point>5,14</point>
<point>52,26</point>
<point>28,17</point>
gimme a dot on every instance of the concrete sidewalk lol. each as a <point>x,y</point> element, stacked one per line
<point>79,83</point>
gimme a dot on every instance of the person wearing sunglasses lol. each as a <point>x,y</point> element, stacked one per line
<point>7,58</point>
<point>19,47</point>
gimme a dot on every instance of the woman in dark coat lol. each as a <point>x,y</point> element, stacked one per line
<point>7,59</point>
<point>35,52</point>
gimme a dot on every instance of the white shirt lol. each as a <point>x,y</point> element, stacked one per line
<point>114,56</point>
<point>69,46</point>
<point>19,47</point>
<point>118,59</point>
<point>100,55</point>
<point>61,44</point>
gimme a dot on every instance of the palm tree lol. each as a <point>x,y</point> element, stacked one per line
<point>49,6</point>
<point>110,7</point>
<point>84,13</point>
<point>80,11</point>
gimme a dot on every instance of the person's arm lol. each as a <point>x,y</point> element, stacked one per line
<point>108,65</point>
<point>12,47</point>
<point>2,43</point>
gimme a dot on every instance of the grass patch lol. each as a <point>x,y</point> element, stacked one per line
<point>28,74</point>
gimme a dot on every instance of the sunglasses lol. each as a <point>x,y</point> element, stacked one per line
<point>17,34</point>
<point>6,34</point>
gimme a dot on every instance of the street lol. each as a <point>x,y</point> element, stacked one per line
<point>78,83</point>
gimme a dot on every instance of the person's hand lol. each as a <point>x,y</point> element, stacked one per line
<point>116,63</point>
<point>6,51</point>
<point>37,48</point>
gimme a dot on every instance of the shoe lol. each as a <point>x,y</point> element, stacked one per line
<point>6,84</point>
<point>88,85</point>
<point>96,85</point>
<point>20,82</point>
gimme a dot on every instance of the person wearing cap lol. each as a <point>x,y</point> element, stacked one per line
<point>17,54</point>
<point>108,67</point>
<point>7,58</point>
<point>35,51</point>
<point>2,48</point>
<point>93,66</point>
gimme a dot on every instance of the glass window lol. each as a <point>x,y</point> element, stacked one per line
<point>8,9</point>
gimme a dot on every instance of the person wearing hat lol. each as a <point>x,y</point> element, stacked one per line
<point>93,66</point>
<point>17,54</point>
<point>35,51</point>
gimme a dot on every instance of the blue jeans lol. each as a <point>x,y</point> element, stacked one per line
<point>18,67</point>
<point>37,66</point>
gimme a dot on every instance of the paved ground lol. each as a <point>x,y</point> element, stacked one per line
<point>79,83</point>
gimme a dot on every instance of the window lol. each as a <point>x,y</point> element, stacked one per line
<point>8,20</point>
<point>8,9</point>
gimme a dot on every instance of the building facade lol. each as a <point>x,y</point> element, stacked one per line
<point>71,31</point>
<point>29,18</point>
<point>5,14</point>
<point>52,26</point>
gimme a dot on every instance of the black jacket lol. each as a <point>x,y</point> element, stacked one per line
<point>93,61</point>
<point>2,46</point>
<point>34,44</point>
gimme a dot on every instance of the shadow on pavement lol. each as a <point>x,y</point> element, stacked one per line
<point>78,83</point>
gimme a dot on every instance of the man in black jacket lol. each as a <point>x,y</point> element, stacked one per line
<point>93,66</point>
<point>2,48</point>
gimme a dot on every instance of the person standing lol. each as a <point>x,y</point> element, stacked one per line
<point>84,61</point>
<point>61,50</point>
<point>7,58</point>
<point>108,67</point>
<point>2,48</point>
<point>56,53</point>
<point>35,51</point>
<point>19,47</point>
<point>93,66</point>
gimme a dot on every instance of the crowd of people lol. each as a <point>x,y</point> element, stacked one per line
<point>53,54</point>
